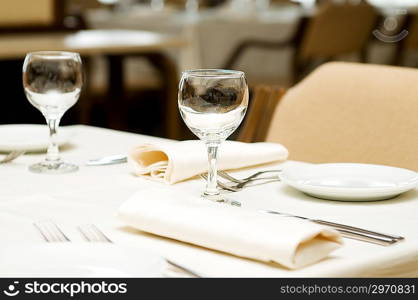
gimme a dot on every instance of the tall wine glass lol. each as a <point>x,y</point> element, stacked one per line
<point>212,104</point>
<point>52,81</point>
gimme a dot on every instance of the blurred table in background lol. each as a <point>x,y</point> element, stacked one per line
<point>115,45</point>
<point>214,33</point>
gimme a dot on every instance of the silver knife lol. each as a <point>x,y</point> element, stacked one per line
<point>349,231</point>
<point>108,160</point>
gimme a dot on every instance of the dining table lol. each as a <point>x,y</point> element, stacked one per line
<point>116,45</point>
<point>93,195</point>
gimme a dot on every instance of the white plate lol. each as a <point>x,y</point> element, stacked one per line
<point>349,181</point>
<point>78,260</point>
<point>30,137</point>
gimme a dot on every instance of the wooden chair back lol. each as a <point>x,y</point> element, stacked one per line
<point>262,105</point>
<point>411,40</point>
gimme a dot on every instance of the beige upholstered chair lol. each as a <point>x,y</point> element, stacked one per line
<point>349,112</point>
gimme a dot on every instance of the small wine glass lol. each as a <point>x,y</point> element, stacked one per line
<point>52,82</point>
<point>212,103</point>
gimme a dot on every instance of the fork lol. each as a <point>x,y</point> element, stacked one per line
<point>91,233</point>
<point>50,231</point>
<point>239,186</point>
<point>242,183</point>
<point>227,176</point>
<point>12,156</point>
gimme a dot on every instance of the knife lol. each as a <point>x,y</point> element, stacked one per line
<point>108,160</point>
<point>349,231</point>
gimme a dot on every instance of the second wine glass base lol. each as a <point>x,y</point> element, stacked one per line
<point>213,197</point>
<point>46,167</point>
<point>220,199</point>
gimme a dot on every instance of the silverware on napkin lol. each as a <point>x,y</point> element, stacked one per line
<point>108,160</point>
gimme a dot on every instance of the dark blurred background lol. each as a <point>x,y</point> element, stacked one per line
<point>274,42</point>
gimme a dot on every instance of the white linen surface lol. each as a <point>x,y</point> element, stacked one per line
<point>247,233</point>
<point>176,161</point>
<point>94,195</point>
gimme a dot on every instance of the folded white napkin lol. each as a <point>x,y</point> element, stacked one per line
<point>247,233</point>
<point>176,161</point>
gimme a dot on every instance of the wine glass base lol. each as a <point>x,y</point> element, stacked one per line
<point>53,167</point>
<point>213,197</point>
<point>220,199</point>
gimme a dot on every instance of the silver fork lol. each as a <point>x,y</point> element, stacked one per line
<point>227,176</point>
<point>238,186</point>
<point>93,234</point>
<point>12,156</point>
<point>50,231</point>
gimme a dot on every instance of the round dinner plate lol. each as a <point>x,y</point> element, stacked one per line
<point>350,181</point>
<point>30,137</point>
<point>79,260</point>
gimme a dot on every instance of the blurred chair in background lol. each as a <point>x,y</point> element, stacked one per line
<point>335,29</point>
<point>28,16</point>
<point>36,16</point>
<point>20,17</point>
<point>409,44</point>
<point>74,11</point>
<point>350,112</point>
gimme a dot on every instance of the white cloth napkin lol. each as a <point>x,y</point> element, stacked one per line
<point>177,161</point>
<point>247,233</point>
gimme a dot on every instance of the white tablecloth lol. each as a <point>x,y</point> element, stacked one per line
<point>93,194</point>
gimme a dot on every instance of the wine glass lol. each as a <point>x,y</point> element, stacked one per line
<point>52,82</point>
<point>213,103</point>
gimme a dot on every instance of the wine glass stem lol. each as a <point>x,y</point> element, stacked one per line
<point>53,152</point>
<point>212,186</point>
